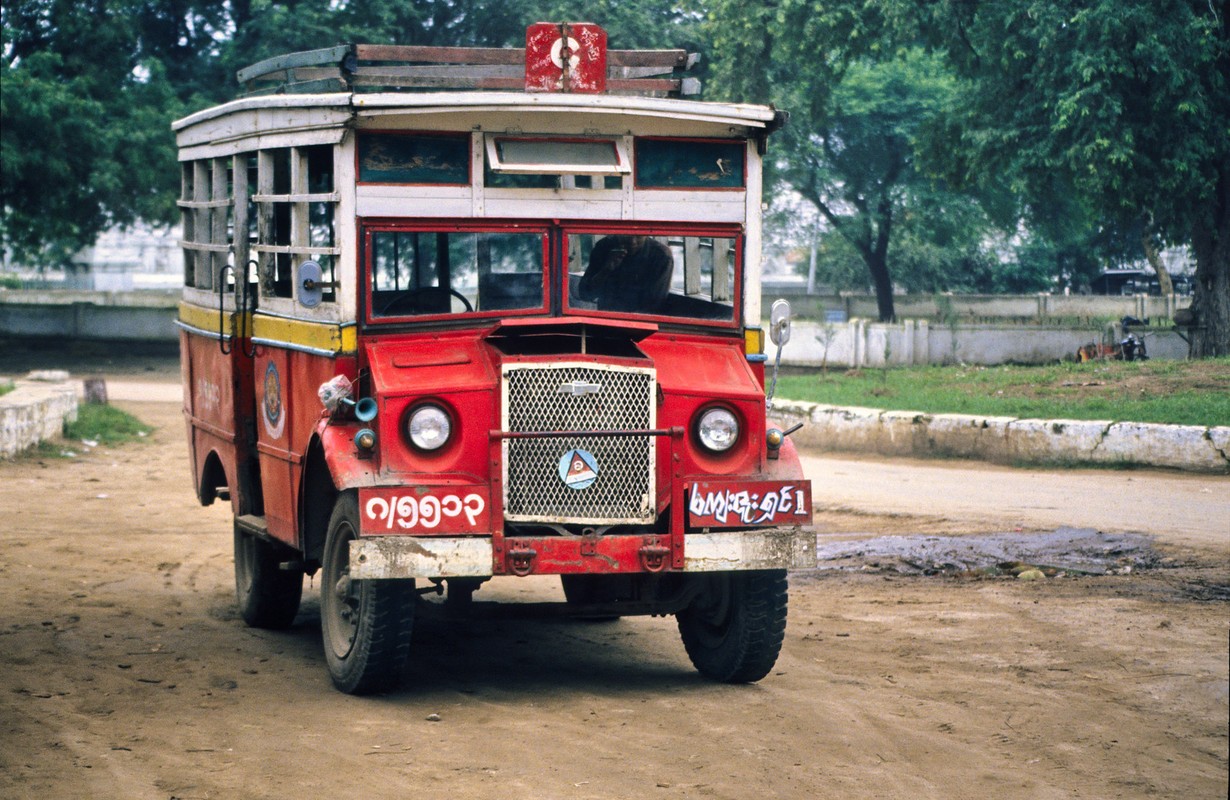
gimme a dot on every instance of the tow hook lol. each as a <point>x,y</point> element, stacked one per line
<point>521,560</point>
<point>653,554</point>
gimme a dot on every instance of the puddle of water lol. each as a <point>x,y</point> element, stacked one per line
<point>1078,550</point>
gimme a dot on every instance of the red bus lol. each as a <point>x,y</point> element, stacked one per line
<point>508,326</point>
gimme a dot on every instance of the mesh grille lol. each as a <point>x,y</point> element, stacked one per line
<point>623,400</point>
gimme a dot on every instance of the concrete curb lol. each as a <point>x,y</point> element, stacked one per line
<point>37,409</point>
<point>1006,440</point>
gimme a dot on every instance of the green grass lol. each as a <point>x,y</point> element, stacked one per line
<point>1170,392</point>
<point>96,425</point>
<point>105,425</point>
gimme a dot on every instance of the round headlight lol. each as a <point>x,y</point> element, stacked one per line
<point>429,427</point>
<point>718,430</point>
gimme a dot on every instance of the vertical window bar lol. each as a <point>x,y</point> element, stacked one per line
<point>201,187</point>
<point>265,231</point>
<point>218,214</point>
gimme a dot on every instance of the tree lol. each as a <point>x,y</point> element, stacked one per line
<point>84,143</point>
<point>858,109</point>
<point>1125,101</point>
<point>92,86</point>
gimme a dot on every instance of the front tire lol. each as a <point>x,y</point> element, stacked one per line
<point>365,624</point>
<point>268,596</point>
<point>733,630</point>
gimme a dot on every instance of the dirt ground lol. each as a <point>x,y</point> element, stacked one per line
<point>125,671</point>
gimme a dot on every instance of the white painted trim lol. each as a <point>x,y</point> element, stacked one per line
<point>387,557</point>
<point>692,110</point>
<point>789,548</point>
<point>345,227</point>
<point>752,238</point>
<point>337,100</point>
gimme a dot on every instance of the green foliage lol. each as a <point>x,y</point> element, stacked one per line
<point>859,108</point>
<point>105,424</point>
<point>1167,392</point>
<point>85,143</point>
<point>1123,105</point>
<point>91,87</point>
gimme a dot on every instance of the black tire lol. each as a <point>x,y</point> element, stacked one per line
<point>268,596</point>
<point>733,631</point>
<point>365,625</point>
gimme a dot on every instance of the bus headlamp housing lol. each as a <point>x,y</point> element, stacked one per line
<point>428,427</point>
<point>717,429</point>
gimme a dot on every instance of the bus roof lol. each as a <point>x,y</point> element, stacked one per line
<point>358,105</point>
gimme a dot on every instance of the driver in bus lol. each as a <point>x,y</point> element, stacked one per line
<point>627,273</point>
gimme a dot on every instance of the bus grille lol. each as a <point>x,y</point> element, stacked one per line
<point>579,397</point>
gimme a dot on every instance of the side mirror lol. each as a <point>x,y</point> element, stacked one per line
<point>779,333</point>
<point>311,290</point>
<point>779,322</point>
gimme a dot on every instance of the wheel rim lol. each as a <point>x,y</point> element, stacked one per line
<point>341,597</point>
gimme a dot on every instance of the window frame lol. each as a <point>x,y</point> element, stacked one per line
<point>495,162</point>
<point>369,227</point>
<point>298,201</point>
<point>742,143</point>
<point>463,137</point>
<point>658,231</point>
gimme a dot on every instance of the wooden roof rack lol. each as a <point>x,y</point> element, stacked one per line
<point>373,67</point>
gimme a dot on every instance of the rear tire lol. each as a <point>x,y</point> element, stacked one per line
<point>268,596</point>
<point>365,624</point>
<point>733,630</point>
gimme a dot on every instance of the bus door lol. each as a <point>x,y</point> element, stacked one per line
<point>215,320</point>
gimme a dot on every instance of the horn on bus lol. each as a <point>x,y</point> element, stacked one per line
<point>365,409</point>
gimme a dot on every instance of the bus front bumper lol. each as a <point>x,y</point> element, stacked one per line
<point>401,556</point>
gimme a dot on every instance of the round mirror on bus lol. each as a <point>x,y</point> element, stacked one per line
<point>311,290</point>
<point>779,322</point>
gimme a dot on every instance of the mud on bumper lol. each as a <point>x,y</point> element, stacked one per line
<point>389,557</point>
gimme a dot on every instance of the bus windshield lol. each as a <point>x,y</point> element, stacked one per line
<point>652,273</point>
<point>426,272</point>
<point>431,272</point>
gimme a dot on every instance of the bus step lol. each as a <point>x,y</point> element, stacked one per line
<point>253,524</point>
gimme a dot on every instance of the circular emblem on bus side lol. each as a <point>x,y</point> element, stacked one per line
<point>578,469</point>
<point>275,420</point>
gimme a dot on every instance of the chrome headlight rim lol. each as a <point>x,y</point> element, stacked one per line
<point>428,427</point>
<point>717,429</point>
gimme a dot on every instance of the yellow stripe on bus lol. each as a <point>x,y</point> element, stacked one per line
<point>321,336</point>
<point>206,319</point>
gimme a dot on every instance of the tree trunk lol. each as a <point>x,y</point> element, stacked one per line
<point>877,265</point>
<point>1155,261</point>
<point>1211,299</point>
<point>1211,306</point>
<point>877,259</point>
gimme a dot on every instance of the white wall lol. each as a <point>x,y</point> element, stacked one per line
<point>860,343</point>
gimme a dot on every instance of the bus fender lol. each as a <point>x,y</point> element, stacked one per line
<point>349,471</point>
<point>787,466</point>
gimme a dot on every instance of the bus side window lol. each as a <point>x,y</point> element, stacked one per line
<point>295,204</point>
<point>206,208</point>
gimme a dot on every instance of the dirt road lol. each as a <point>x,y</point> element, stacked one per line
<point>125,672</point>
